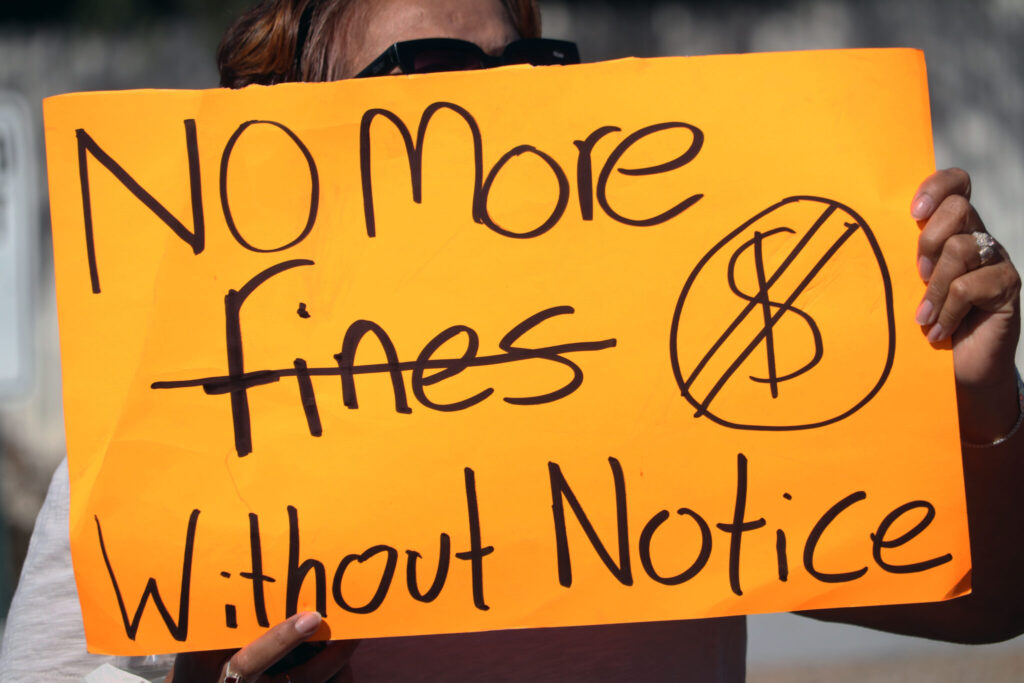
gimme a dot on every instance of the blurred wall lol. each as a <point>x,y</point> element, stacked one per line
<point>975,53</point>
<point>35,62</point>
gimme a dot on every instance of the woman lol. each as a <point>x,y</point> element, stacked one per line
<point>972,296</point>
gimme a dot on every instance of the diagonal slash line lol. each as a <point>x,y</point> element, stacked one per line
<point>850,229</point>
<point>766,309</point>
<point>825,215</point>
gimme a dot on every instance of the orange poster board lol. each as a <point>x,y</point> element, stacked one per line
<point>522,348</point>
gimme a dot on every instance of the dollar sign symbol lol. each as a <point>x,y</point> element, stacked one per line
<point>772,311</point>
<point>710,340</point>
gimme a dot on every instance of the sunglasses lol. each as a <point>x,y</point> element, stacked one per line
<point>448,54</point>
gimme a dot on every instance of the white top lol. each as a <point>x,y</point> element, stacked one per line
<point>45,640</point>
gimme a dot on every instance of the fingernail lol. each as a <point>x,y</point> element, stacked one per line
<point>925,266</point>
<point>936,333</point>
<point>308,623</point>
<point>924,312</point>
<point>922,207</point>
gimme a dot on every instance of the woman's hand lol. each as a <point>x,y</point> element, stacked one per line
<point>250,664</point>
<point>976,305</point>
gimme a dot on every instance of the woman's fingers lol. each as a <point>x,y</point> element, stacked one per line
<point>959,257</point>
<point>953,216</point>
<point>986,289</point>
<point>959,283</point>
<point>935,188</point>
<point>252,660</point>
<point>949,257</point>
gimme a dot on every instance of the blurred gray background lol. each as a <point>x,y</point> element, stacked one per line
<point>975,53</point>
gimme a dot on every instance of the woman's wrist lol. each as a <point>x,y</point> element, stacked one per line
<point>1010,419</point>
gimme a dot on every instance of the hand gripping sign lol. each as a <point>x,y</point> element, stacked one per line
<point>520,348</point>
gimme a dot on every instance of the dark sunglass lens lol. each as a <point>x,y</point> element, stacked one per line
<point>541,53</point>
<point>431,60</point>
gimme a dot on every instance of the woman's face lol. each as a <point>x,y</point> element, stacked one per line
<point>379,23</point>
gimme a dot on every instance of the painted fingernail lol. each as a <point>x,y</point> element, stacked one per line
<point>924,312</point>
<point>925,267</point>
<point>936,333</point>
<point>308,623</point>
<point>922,207</point>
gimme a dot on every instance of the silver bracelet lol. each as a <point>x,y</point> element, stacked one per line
<point>1016,426</point>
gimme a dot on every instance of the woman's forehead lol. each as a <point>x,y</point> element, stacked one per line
<point>384,22</point>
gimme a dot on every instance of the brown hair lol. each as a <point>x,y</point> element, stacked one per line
<point>260,46</point>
